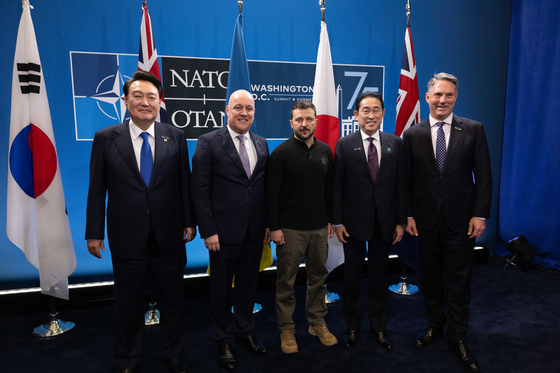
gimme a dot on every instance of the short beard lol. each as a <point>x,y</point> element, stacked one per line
<point>301,138</point>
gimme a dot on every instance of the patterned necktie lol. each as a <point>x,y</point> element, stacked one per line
<point>372,159</point>
<point>244,155</point>
<point>440,146</point>
<point>146,160</point>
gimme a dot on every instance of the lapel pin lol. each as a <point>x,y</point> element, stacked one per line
<point>355,149</point>
<point>165,138</point>
<point>388,150</point>
<point>458,128</point>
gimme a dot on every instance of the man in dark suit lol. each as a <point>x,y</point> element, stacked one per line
<point>143,167</point>
<point>449,195</point>
<point>368,208</point>
<point>228,196</point>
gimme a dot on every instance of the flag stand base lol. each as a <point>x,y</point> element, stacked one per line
<point>53,328</point>
<point>403,288</point>
<point>331,297</point>
<point>151,317</point>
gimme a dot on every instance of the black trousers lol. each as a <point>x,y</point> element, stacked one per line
<point>446,261</point>
<point>242,260</point>
<point>354,257</point>
<point>130,276</point>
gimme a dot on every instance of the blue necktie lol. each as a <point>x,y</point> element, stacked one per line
<point>440,146</point>
<point>244,155</point>
<point>146,160</point>
<point>372,160</point>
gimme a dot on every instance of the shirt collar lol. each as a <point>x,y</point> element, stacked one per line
<point>447,120</point>
<point>365,136</point>
<point>234,134</point>
<point>136,131</point>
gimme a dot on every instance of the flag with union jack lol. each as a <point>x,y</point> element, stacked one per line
<point>408,102</point>
<point>147,56</point>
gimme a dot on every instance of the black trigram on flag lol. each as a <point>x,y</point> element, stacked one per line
<point>29,77</point>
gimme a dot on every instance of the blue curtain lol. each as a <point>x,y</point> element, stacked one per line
<point>529,200</point>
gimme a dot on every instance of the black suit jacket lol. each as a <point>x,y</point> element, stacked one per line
<point>226,201</point>
<point>130,202</point>
<point>356,196</point>
<point>454,191</point>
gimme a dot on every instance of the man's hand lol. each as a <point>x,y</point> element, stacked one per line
<point>340,233</point>
<point>189,234</point>
<point>476,227</point>
<point>330,230</point>
<point>267,238</point>
<point>411,227</point>
<point>93,247</point>
<point>212,243</point>
<point>277,237</point>
<point>399,231</point>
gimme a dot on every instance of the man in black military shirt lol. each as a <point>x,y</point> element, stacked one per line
<point>298,203</point>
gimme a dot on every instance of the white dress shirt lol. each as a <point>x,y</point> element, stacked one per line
<point>446,130</point>
<point>251,151</point>
<point>376,142</point>
<point>137,140</point>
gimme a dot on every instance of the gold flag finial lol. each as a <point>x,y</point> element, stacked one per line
<point>240,3</point>
<point>408,12</point>
<point>322,3</point>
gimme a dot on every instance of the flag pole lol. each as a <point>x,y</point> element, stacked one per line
<point>404,288</point>
<point>240,4</point>
<point>329,296</point>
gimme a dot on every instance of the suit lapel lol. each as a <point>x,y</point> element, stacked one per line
<point>261,151</point>
<point>226,141</point>
<point>359,153</point>
<point>123,142</point>
<point>426,139</point>
<point>386,151</point>
<point>162,145</point>
<point>454,139</point>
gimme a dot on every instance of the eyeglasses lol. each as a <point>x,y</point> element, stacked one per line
<point>368,111</point>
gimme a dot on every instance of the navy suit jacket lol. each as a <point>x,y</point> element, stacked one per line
<point>356,196</point>
<point>226,201</point>
<point>131,204</point>
<point>454,191</point>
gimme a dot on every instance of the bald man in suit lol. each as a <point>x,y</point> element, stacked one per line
<point>228,196</point>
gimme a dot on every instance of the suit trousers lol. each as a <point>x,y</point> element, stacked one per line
<point>313,246</point>
<point>243,261</point>
<point>130,276</point>
<point>354,257</point>
<point>446,261</point>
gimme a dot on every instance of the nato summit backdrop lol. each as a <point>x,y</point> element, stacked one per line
<point>89,49</point>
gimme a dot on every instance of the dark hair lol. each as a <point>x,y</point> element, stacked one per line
<point>302,105</point>
<point>369,94</point>
<point>146,76</point>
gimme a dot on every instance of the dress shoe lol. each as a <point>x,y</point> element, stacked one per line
<point>227,358</point>
<point>252,344</point>
<point>383,340</point>
<point>350,338</point>
<point>175,365</point>
<point>464,355</point>
<point>427,337</point>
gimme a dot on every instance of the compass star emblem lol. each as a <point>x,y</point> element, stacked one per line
<point>110,96</point>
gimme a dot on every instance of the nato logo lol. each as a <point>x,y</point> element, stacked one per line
<point>97,81</point>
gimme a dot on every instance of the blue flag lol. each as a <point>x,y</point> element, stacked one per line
<point>238,77</point>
